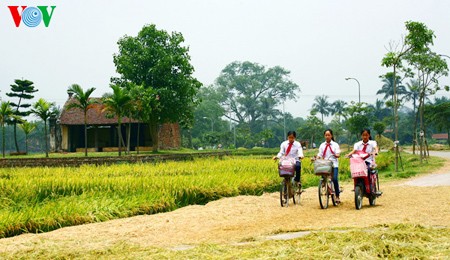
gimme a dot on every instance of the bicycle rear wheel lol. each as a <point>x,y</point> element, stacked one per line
<point>284,194</point>
<point>297,193</point>
<point>374,190</point>
<point>323,193</point>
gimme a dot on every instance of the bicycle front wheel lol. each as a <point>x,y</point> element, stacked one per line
<point>323,193</point>
<point>332,192</point>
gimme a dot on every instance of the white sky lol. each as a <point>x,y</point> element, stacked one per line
<point>320,42</point>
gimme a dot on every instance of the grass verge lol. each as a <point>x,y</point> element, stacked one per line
<point>391,241</point>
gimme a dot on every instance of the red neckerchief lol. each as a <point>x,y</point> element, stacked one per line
<point>327,145</point>
<point>289,148</point>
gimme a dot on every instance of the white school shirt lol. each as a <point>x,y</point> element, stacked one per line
<point>328,155</point>
<point>295,152</point>
<point>371,144</point>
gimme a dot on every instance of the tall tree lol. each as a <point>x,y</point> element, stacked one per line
<point>430,67</point>
<point>23,90</point>
<point>118,104</point>
<point>251,91</point>
<point>6,113</point>
<point>27,128</point>
<point>42,109</point>
<point>83,101</point>
<point>156,60</point>
<point>322,105</point>
<point>416,41</point>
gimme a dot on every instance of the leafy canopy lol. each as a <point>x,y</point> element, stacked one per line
<point>156,60</point>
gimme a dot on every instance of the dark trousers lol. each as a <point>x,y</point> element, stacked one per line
<point>297,171</point>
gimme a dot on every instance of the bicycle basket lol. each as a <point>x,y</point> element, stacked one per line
<point>322,166</point>
<point>286,167</point>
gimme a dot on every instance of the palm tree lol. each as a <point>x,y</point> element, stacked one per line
<point>388,87</point>
<point>321,105</point>
<point>379,110</point>
<point>83,102</point>
<point>5,115</point>
<point>118,104</point>
<point>412,93</point>
<point>338,108</point>
<point>42,109</point>
<point>27,128</point>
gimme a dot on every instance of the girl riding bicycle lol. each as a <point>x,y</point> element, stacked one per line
<point>292,148</point>
<point>330,150</point>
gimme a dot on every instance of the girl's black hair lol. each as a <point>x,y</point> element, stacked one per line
<point>292,133</point>
<point>368,131</point>
<point>331,132</point>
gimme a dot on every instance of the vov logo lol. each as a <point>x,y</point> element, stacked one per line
<point>31,16</point>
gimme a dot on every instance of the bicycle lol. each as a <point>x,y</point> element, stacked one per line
<point>324,168</point>
<point>289,190</point>
<point>286,170</point>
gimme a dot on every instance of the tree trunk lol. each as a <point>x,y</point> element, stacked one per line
<point>129,137</point>
<point>26,143</point>
<point>395,119</point>
<point>119,133</point>
<point>415,131</point>
<point>15,123</point>
<point>421,126</point>
<point>85,133</point>
<point>153,125</point>
<point>46,141</point>
<point>3,140</point>
<point>137,139</point>
<point>15,136</point>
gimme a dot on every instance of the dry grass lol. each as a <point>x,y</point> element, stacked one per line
<point>250,218</point>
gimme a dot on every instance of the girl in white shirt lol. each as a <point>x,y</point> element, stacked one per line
<point>330,150</point>
<point>366,145</point>
<point>293,149</point>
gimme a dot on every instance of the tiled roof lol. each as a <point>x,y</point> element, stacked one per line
<point>95,116</point>
<point>440,136</point>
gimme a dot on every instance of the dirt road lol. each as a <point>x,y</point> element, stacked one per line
<point>242,218</point>
<point>441,178</point>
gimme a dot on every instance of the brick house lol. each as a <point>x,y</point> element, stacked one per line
<point>102,133</point>
<point>440,138</point>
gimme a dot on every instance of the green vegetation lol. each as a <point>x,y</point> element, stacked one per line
<point>43,199</point>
